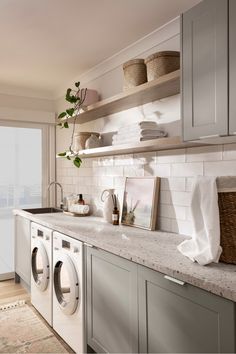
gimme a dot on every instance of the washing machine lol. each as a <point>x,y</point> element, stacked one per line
<point>41,270</point>
<point>68,291</point>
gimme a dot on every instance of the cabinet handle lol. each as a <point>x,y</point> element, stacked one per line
<point>88,245</point>
<point>209,136</point>
<point>174,280</point>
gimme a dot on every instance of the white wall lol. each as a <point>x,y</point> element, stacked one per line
<point>27,109</point>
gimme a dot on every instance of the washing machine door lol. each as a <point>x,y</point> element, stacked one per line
<point>66,284</point>
<point>40,266</point>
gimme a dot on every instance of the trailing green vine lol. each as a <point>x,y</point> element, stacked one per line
<point>76,97</point>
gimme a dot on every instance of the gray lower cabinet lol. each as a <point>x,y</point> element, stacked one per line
<point>22,249</point>
<point>205,69</point>
<point>176,318</point>
<point>232,67</point>
<point>112,305</point>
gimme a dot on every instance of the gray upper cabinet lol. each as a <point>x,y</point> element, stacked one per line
<point>112,305</point>
<point>175,318</point>
<point>232,67</point>
<point>205,69</point>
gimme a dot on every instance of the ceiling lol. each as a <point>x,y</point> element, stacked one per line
<point>46,43</point>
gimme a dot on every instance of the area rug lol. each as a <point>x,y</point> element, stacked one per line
<point>22,331</point>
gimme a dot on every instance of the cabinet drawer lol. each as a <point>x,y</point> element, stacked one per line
<point>180,318</point>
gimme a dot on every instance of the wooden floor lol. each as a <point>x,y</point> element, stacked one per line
<point>11,292</point>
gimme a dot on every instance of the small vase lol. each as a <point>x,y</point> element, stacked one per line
<point>108,206</point>
<point>94,141</point>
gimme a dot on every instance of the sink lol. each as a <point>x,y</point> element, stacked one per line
<point>43,210</point>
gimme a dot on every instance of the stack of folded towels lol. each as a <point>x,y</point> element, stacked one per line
<point>140,131</point>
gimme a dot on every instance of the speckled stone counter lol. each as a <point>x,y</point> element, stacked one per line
<point>153,249</point>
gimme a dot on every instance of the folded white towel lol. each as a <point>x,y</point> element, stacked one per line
<point>79,209</point>
<point>144,134</point>
<point>204,247</point>
<point>138,126</point>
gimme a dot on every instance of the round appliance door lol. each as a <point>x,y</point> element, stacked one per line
<point>66,284</point>
<point>40,266</point>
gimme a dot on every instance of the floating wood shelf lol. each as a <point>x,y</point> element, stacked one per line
<point>167,85</point>
<point>143,146</point>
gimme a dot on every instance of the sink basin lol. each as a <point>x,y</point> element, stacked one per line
<point>43,210</point>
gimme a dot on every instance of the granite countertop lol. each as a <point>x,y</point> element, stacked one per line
<point>154,249</point>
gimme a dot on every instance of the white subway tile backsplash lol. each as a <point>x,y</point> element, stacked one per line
<point>221,168</point>
<point>229,152</point>
<point>123,160</point>
<point>165,197</point>
<point>181,198</point>
<point>173,212</point>
<point>144,158</point>
<point>171,156</point>
<point>105,181</point>
<point>114,171</point>
<point>204,153</point>
<point>160,170</point>
<point>133,171</point>
<point>173,184</point>
<point>187,169</point>
<point>164,224</point>
<point>177,170</point>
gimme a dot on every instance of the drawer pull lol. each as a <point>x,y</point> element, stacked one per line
<point>88,245</point>
<point>174,280</point>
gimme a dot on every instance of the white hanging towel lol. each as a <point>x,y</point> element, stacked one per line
<point>204,247</point>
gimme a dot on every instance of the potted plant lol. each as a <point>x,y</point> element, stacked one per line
<point>76,97</point>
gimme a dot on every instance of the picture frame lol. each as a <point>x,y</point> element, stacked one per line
<point>140,202</point>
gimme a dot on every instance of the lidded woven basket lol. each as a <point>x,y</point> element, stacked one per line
<point>227,208</point>
<point>135,73</point>
<point>162,63</point>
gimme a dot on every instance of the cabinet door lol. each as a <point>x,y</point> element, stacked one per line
<point>177,318</point>
<point>205,70</point>
<point>112,309</point>
<point>22,248</point>
<point>232,67</point>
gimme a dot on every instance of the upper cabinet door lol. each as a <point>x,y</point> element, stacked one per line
<point>205,70</point>
<point>232,67</point>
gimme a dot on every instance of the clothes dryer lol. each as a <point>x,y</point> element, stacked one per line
<point>68,292</point>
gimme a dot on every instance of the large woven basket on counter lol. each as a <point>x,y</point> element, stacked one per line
<point>135,73</point>
<point>227,208</point>
<point>162,63</point>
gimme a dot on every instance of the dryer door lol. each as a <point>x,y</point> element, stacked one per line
<point>66,284</point>
<point>40,266</point>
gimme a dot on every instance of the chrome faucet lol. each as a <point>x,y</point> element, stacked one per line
<point>57,184</point>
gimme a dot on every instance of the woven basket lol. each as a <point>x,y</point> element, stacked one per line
<point>162,63</point>
<point>227,209</point>
<point>135,73</point>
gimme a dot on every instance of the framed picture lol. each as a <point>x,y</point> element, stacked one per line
<point>140,202</point>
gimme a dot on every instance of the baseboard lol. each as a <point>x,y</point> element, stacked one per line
<point>7,276</point>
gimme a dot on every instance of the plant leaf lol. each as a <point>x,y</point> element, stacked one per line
<point>62,154</point>
<point>77,84</point>
<point>62,115</point>
<point>77,161</point>
<point>66,125</point>
<point>70,111</point>
<point>68,157</point>
<point>59,124</point>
